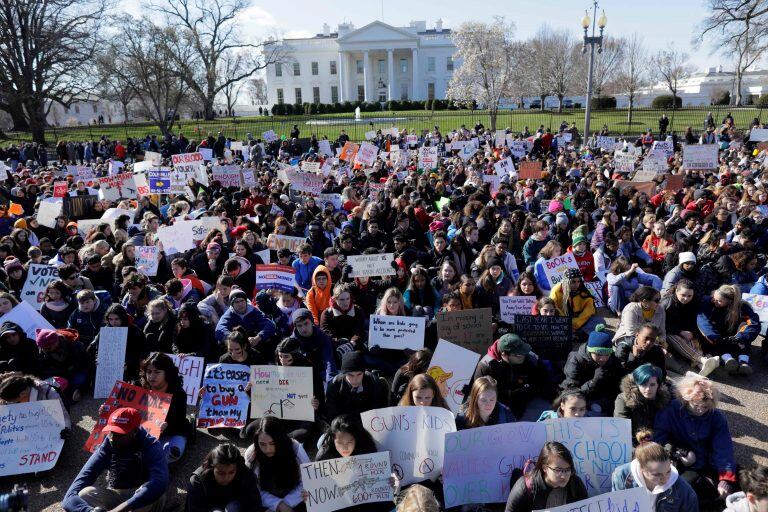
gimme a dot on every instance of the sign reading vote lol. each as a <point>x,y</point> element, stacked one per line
<point>337,484</point>
<point>225,401</point>
<point>30,436</point>
<point>38,277</point>
<point>414,436</point>
<point>282,391</point>
<point>397,332</point>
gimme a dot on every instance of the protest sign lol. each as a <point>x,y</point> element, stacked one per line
<point>467,152</point>
<point>555,268</point>
<point>324,147</point>
<point>152,405</point>
<point>700,156</point>
<point>397,332</point>
<point>30,436</point>
<point>227,175</point>
<point>656,162</point>
<point>292,243</point>
<point>634,499</point>
<point>275,277</point>
<point>674,182</point>
<point>117,186</point>
<point>154,157</point>
<point>48,211</point>
<point>147,259</point>
<point>187,162</point>
<point>529,170</point>
<point>60,189</point>
<point>225,401</point>
<point>78,207</point>
<point>479,462</point>
<point>349,151</point>
<point>38,277</point>
<point>414,436</point>
<point>269,136</point>
<point>249,179</point>
<point>646,187</point>
<point>305,182</point>
<point>596,290</point>
<point>308,166</point>
<point>366,154</point>
<point>338,484</point>
<point>412,139</point>
<point>758,135</point>
<point>504,167</point>
<point>159,181</point>
<point>549,336</point>
<point>142,167</point>
<point>644,176</point>
<point>759,304</point>
<point>605,143</point>
<point>142,186</point>
<point>663,146</point>
<point>371,265</point>
<point>452,368</point>
<point>282,391</point>
<point>115,167</point>
<point>428,157</point>
<point>110,364</point>
<point>334,199</point>
<point>207,153</point>
<point>80,172</point>
<point>624,162</point>
<point>518,148</point>
<point>517,305</point>
<point>26,316</point>
<point>494,182</point>
<point>191,371</point>
<point>470,328</point>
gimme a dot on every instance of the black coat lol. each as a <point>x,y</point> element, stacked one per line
<point>340,399</point>
<point>204,494</point>
<point>22,357</point>
<point>526,497</point>
<point>596,382</point>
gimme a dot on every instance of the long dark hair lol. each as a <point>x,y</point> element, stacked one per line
<point>417,363</point>
<point>162,362</point>
<point>548,452</point>
<point>196,323</point>
<point>280,473</point>
<point>226,453</point>
<point>351,425</point>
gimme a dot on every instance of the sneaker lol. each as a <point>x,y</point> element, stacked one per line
<point>731,366</point>
<point>709,365</point>
<point>745,369</point>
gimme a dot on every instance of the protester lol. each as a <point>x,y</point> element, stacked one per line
<point>223,482</point>
<point>643,394</point>
<point>483,408</point>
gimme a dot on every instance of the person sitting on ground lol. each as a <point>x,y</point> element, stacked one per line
<point>645,347</point>
<point>223,483</point>
<point>18,353</point>
<point>643,394</point>
<point>483,409</point>
<point>354,390</point>
<point>753,496</point>
<point>571,403</point>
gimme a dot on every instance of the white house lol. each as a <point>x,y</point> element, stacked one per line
<point>377,62</point>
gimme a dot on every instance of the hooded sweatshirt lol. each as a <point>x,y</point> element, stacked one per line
<point>319,299</point>
<point>737,502</point>
<point>652,493</point>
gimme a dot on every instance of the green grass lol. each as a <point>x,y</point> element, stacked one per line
<point>616,120</point>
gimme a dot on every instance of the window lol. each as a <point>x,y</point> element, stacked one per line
<point>296,69</point>
<point>334,94</point>
<point>95,108</point>
<point>403,92</point>
<point>382,95</point>
<point>333,67</point>
<point>449,63</point>
<point>278,69</point>
<point>403,65</point>
<point>360,93</point>
<point>382,67</point>
<point>431,64</point>
<point>315,70</point>
<point>431,91</point>
<point>298,95</point>
<point>77,109</point>
<point>359,66</point>
<point>315,95</point>
<point>280,97</point>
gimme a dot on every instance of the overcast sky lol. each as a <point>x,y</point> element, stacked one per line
<point>660,22</point>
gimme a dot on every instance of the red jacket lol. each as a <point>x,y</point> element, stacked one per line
<point>586,264</point>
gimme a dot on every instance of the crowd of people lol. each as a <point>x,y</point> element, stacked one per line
<point>671,265</point>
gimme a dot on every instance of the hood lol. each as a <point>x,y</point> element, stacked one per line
<point>632,396</point>
<point>494,352</point>
<point>322,269</point>
<point>738,502</point>
<point>634,467</point>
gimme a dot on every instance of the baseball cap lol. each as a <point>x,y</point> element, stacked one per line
<point>123,421</point>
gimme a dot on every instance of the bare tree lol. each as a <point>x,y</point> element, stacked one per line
<point>607,64</point>
<point>209,30</point>
<point>114,87</point>
<point>46,47</point>
<point>671,67</point>
<point>536,70</point>
<point>232,65</point>
<point>257,91</point>
<point>561,54</point>
<point>489,62</point>
<point>633,73</point>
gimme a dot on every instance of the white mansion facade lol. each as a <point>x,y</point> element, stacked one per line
<point>377,62</point>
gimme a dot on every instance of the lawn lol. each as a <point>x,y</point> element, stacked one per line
<point>332,124</point>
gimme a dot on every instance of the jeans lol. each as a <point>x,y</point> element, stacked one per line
<point>174,447</point>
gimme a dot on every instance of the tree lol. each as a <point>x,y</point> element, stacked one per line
<point>633,72</point>
<point>114,87</point>
<point>231,65</point>
<point>257,91</point>
<point>489,63</point>
<point>671,67</point>
<point>208,32</point>
<point>537,69</point>
<point>46,48</point>
<point>607,64</point>
<point>555,55</point>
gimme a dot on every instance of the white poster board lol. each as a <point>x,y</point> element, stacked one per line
<point>110,364</point>
<point>371,265</point>
<point>758,135</point>
<point>452,368</point>
<point>38,277</point>
<point>555,268</point>
<point>191,371</point>
<point>48,211</point>
<point>282,391</point>
<point>147,259</point>
<point>26,317</point>
<point>31,436</point>
<point>634,499</point>
<point>397,332</point>
<point>759,304</point>
<point>366,155</point>
<point>511,306</point>
<point>700,156</point>
<point>504,167</point>
<point>225,401</point>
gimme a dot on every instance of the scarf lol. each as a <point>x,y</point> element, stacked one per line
<point>350,310</point>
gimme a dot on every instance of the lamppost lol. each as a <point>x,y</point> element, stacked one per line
<point>592,41</point>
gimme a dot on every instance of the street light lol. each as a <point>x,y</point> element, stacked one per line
<point>592,41</point>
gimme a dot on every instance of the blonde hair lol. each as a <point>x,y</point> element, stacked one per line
<point>417,498</point>
<point>548,250</point>
<point>392,292</point>
<point>650,452</point>
<point>694,386</point>
<point>733,294</point>
<point>480,385</point>
<point>157,303</point>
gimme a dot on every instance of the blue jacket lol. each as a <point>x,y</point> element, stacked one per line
<point>707,436</point>
<point>680,497</point>
<point>760,287</point>
<point>304,272</point>
<point>318,348</point>
<point>252,321</point>
<point>89,324</point>
<point>712,324</point>
<point>141,465</point>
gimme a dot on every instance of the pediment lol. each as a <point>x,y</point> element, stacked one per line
<point>375,32</point>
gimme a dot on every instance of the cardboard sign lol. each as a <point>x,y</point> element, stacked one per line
<point>674,182</point>
<point>292,243</point>
<point>117,186</point>
<point>159,181</point>
<point>529,170</point>
<point>60,189</point>
<point>470,328</point>
<point>452,368</point>
<point>48,211</point>
<point>428,158</point>
<point>275,277</point>
<point>30,436</point>
<point>371,265</point>
<point>504,167</point>
<point>38,277</point>
<point>147,259</point>
<point>624,163</point>
<point>511,306</point>
<point>282,391</point>
<point>647,187</point>
<point>152,405</point>
<point>110,365</point>
<point>397,332</point>
<point>555,268</point>
<point>26,317</point>
<point>227,175</point>
<point>634,500</point>
<point>225,401</point>
<point>338,484</point>
<point>700,156</point>
<point>324,147</point>
<point>191,371</point>
<point>188,162</point>
<point>644,176</point>
<point>550,337</point>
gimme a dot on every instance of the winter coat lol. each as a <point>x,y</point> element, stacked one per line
<point>677,496</point>
<point>268,500</point>
<point>632,319</point>
<point>581,307</point>
<point>712,324</point>
<point>594,381</point>
<point>531,492</point>
<point>673,276</point>
<point>680,317</point>
<point>22,357</point>
<point>58,316</point>
<point>317,299</point>
<point>501,414</point>
<point>89,324</point>
<point>318,349</point>
<point>622,286</point>
<point>253,320</point>
<point>630,404</point>
<point>586,263</point>
<point>340,399</point>
<point>656,247</point>
<point>654,355</point>
<point>205,494</point>
<point>349,325</point>
<point>161,336</point>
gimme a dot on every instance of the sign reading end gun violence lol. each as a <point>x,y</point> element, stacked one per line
<point>470,328</point>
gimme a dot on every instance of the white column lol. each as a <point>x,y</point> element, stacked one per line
<point>366,75</point>
<point>416,77</point>
<point>390,75</point>
<point>340,69</point>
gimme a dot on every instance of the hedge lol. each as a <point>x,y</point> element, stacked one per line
<point>665,101</point>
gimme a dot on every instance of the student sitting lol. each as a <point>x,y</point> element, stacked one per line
<point>223,483</point>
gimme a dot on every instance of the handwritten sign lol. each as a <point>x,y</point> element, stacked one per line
<point>324,147</point>
<point>282,391</point>
<point>511,306</point>
<point>225,401</point>
<point>110,364</point>
<point>605,143</point>
<point>305,182</point>
<point>292,243</point>
<point>759,304</point>
<point>366,154</point>
<point>470,328</point>
<point>38,277</point>
<point>348,152</point>
<point>188,162</point>
<point>60,189</point>
<point>227,175</point>
<point>700,156</point>
<point>529,170</point>
<point>452,368</point>
<point>337,484</point>
<point>275,277</point>
<point>397,332</point>
<point>117,186</point>
<point>549,336</point>
<point>624,162</point>
<point>504,167</point>
<point>26,317</point>
<point>655,162</point>
<point>634,499</point>
<point>414,436</point>
<point>30,439</point>
<point>146,259</point>
<point>428,157</point>
<point>152,405</point>
<point>371,265</point>
<point>191,371</point>
<point>48,211</point>
<point>555,268</point>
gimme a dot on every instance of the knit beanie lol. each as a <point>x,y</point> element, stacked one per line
<point>237,293</point>
<point>46,338</point>
<point>600,342</point>
<point>352,362</point>
<point>578,237</point>
<point>12,263</point>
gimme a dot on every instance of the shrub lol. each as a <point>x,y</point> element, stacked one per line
<point>603,102</point>
<point>428,104</point>
<point>278,109</point>
<point>721,98</point>
<point>665,101</point>
<point>762,101</point>
<point>393,105</point>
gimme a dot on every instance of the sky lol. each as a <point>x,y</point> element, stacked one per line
<point>660,22</point>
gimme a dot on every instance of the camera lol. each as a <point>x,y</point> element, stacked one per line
<point>15,501</point>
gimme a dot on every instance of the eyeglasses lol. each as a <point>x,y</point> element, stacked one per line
<point>560,471</point>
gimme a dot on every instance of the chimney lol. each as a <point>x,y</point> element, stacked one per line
<point>326,30</point>
<point>439,25</point>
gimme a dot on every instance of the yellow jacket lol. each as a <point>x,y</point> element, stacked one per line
<point>582,306</point>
